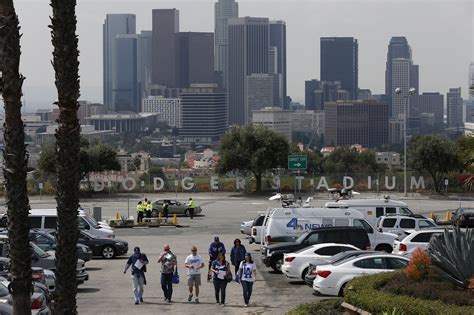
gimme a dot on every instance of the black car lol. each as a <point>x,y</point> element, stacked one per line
<point>311,274</point>
<point>272,255</point>
<point>463,217</point>
<point>106,247</point>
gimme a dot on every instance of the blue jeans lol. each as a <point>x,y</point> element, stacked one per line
<point>137,287</point>
<point>247,288</point>
<point>219,287</point>
<point>167,285</point>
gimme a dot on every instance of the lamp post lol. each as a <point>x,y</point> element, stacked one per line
<point>406,99</point>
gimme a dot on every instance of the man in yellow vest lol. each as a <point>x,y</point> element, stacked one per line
<point>191,206</point>
<point>140,212</point>
<point>148,208</point>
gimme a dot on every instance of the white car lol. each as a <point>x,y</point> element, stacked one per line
<point>256,233</point>
<point>331,279</point>
<point>295,265</point>
<point>406,245</point>
<point>397,224</point>
<point>246,227</point>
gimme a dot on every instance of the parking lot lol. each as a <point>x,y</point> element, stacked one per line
<point>109,291</point>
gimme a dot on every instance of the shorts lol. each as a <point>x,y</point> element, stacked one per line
<point>194,280</point>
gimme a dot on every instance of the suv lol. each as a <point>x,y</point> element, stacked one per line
<point>397,224</point>
<point>463,217</point>
<point>272,255</point>
<point>406,245</point>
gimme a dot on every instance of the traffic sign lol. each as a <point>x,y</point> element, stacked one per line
<point>297,162</point>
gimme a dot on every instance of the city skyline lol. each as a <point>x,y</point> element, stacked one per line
<point>450,22</point>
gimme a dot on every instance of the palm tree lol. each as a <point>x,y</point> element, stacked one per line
<point>16,159</point>
<point>66,67</point>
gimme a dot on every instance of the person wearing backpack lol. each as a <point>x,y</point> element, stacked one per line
<point>247,276</point>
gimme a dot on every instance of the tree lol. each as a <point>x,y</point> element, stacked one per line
<point>152,173</point>
<point>435,155</point>
<point>66,67</point>
<point>253,149</point>
<point>16,159</point>
<point>466,147</point>
<point>349,160</point>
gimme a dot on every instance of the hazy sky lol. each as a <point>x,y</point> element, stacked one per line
<point>439,32</point>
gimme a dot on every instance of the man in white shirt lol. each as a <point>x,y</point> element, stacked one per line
<point>193,264</point>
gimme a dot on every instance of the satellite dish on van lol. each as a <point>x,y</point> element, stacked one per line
<point>309,199</point>
<point>275,197</point>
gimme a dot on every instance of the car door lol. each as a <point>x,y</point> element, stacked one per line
<point>174,207</point>
<point>370,265</point>
<point>93,246</point>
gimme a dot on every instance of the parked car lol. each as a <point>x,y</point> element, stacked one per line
<point>246,227</point>
<point>39,301</point>
<point>397,224</point>
<point>332,279</point>
<point>272,255</point>
<point>47,242</point>
<point>174,207</point>
<point>38,274</point>
<point>411,240</point>
<point>311,275</point>
<point>104,247</point>
<point>464,217</point>
<point>295,265</point>
<point>256,233</point>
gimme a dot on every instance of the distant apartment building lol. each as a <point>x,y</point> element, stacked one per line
<point>317,93</point>
<point>388,158</point>
<point>361,122</point>
<point>87,132</point>
<point>308,121</point>
<point>427,103</point>
<point>122,123</point>
<point>87,109</point>
<point>204,114</point>
<point>454,109</point>
<point>395,131</point>
<point>275,118</point>
<point>259,93</point>
<point>169,109</point>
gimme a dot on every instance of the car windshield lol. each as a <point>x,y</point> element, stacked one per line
<point>92,222</point>
<point>88,234</point>
<point>90,218</point>
<point>3,290</point>
<point>467,210</point>
<point>38,251</point>
<point>48,236</point>
<point>406,211</point>
<point>302,237</point>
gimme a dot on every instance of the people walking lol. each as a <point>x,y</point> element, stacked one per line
<point>220,269</point>
<point>168,264</point>
<point>194,263</point>
<point>247,276</point>
<point>237,254</point>
<point>140,212</point>
<point>215,248</point>
<point>138,262</point>
<point>191,206</point>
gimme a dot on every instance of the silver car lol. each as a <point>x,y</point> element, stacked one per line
<point>174,207</point>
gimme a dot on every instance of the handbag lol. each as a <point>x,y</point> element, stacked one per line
<point>229,277</point>
<point>175,278</point>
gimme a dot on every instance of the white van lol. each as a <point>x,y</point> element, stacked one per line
<point>372,209</point>
<point>286,224</point>
<point>47,219</point>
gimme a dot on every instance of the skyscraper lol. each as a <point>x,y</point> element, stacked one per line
<point>278,40</point>
<point>164,63</point>
<point>398,48</point>
<point>195,58</point>
<point>276,77</point>
<point>470,85</point>
<point>223,10</point>
<point>340,62</point>
<point>114,25</point>
<point>454,109</point>
<point>400,79</point>
<point>248,54</point>
<point>259,93</point>
<point>125,87</point>
<point>144,62</point>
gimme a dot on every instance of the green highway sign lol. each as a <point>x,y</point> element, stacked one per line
<point>297,162</point>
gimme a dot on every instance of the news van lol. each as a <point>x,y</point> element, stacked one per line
<point>372,209</point>
<point>283,225</point>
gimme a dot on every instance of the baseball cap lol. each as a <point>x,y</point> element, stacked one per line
<point>136,249</point>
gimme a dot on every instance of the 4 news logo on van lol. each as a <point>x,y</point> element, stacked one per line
<point>293,223</point>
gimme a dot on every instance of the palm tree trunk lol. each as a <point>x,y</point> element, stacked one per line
<point>16,159</point>
<point>66,66</point>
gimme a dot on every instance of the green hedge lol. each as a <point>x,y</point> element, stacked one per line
<point>326,307</point>
<point>363,292</point>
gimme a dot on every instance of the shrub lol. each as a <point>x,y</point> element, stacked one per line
<point>419,265</point>
<point>328,307</point>
<point>364,292</point>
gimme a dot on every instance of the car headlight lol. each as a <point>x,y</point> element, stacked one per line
<point>119,244</point>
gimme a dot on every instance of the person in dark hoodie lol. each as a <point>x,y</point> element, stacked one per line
<point>237,254</point>
<point>138,262</point>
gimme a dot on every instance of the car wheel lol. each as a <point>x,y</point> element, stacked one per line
<point>341,291</point>
<point>108,252</point>
<point>277,263</point>
<point>305,272</point>
<point>384,248</point>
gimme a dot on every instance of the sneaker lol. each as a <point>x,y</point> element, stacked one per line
<point>217,302</point>
<point>169,301</point>
<point>222,304</point>
<point>141,300</point>
<point>190,297</point>
<point>197,300</point>
<point>166,299</point>
<point>245,305</point>
<point>136,303</point>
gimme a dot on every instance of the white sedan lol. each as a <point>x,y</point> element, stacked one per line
<point>246,227</point>
<point>331,279</point>
<point>295,265</point>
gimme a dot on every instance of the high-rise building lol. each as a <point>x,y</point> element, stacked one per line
<point>144,62</point>
<point>395,131</point>
<point>204,114</point>
<point>427,103</point>
<point>454,104</point>
<point>277,78</point>
<point>310,86</point>
<point>164,64</point>
<point>398,48</point>
<point>195,58</point>
<point>278,40</point>
<point>400,79</point>
<point>259,93</point>
<point>361,122</point>
<point>470,82</point>
<point>223,10</point>
<point>114,25</point>
<point>275,118</point>
<point>169,109</point>
<point>319,92</point>
<point>248,54</point>
<point>125,88</point>
<point>340,62</point>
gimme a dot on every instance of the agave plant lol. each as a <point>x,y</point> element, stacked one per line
<point>452,255</point>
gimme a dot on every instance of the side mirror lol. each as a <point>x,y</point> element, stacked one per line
<point>380,230</point>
